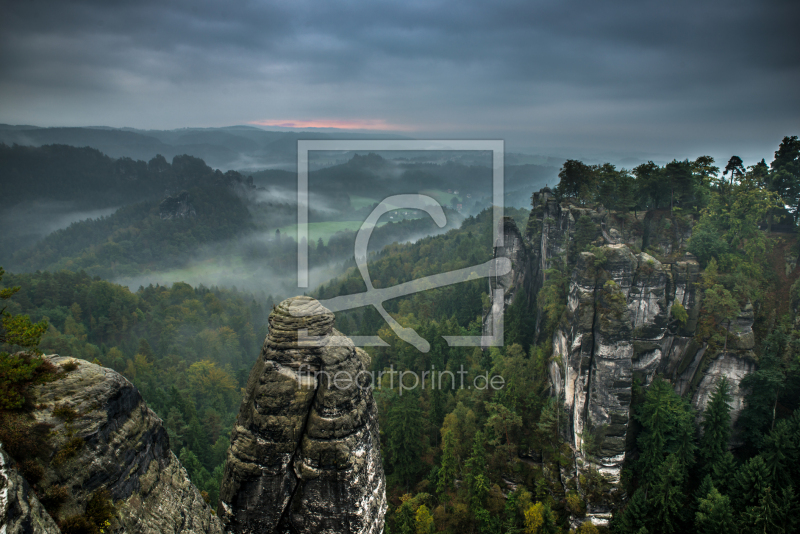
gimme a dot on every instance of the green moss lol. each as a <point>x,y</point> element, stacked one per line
<point>613,301</point>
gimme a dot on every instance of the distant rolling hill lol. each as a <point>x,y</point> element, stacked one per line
<point>234,147</point>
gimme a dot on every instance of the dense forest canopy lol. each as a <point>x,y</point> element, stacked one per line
<point>450,453</point>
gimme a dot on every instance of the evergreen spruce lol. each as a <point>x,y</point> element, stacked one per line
<point>715,514</point>
<point>716,429</point>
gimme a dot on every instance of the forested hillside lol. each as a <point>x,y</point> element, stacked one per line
<point>140,237</point>
<point>38,181</point>
<point>177,215</point>
<point>188,350</point>
<point>480,459</point>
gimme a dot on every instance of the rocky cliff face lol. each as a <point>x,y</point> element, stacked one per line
<point>304,456</point>
<point>103,436</point>
<point>305,452</point>
<point>516,281</point>
<point>20,510</point>
<point>618,327</point>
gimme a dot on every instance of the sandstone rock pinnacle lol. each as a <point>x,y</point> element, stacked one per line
<point>305,450</point>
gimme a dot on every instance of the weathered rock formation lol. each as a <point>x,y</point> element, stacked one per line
<point>103,435</point>
<point>20,510</point>
<point>305,453</point>
<point>516,281</point>
<point>618,327</point>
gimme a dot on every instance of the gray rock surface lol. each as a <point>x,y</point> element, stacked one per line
<point>117,443</point>
<point>305,450</point>
<point>618,326</point>
<point>517,279</point>
<point>20,510</point>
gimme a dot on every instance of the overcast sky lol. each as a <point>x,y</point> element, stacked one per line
<point>678,78</point>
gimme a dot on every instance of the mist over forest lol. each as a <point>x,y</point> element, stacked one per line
<point>170,268</point>
<point>77,208</point>
<point>619,352</point>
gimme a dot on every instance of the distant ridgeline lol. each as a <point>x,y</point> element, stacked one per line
<point>90,178</point>
<point>85,179</point>
<point>170,211</point>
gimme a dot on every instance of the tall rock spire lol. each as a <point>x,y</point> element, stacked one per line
<point>305,450</point>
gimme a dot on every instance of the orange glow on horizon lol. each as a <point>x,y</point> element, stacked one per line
<point>357,124</point>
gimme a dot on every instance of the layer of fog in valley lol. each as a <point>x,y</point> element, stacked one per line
<point>183,221</point>
<point>30,221</point>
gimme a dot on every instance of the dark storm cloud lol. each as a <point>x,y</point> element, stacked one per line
<point>581,74</point>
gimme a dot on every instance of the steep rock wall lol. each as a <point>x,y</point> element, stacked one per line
<point>517,280</point>
<point>618,327</point>
<point>305,450</point>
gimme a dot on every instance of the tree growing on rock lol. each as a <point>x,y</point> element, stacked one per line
<point>16,371</point>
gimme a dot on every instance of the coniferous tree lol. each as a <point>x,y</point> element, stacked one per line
<point>764,385</point>
<point>666,497</point>
<point>764,517</point>
<point>777,451</point>
<point>716,429</point>
<point>447,472</point>
<point>680,178</point>
<point>476,478</point>
<point>723,472</point>
<point>785,178</point>
<point>575,178</point>
<point>668,428</point>
<point>635,515</point>
<point>651,186</point>
<point>751,480</point>
<point>715,514</point>
<point>702,491</point>
<point>519,322</point>
<point>735,167</point>
<point>404,425</point>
